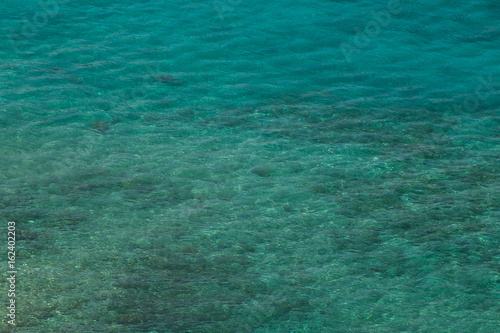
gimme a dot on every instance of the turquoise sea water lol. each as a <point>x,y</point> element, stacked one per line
<point>251,166</point>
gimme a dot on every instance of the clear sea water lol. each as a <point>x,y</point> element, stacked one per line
<point>252,166</point>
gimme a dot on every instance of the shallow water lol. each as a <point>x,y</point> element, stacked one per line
<point>232,166</point>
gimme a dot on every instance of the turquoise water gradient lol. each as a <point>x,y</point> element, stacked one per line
<point>252,166</point>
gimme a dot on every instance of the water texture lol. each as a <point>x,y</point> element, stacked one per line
<point>252,166</point>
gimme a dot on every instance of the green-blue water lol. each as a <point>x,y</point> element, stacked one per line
<point>251,166</point>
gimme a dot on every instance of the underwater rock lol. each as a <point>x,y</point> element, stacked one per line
<point>24,234</point>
